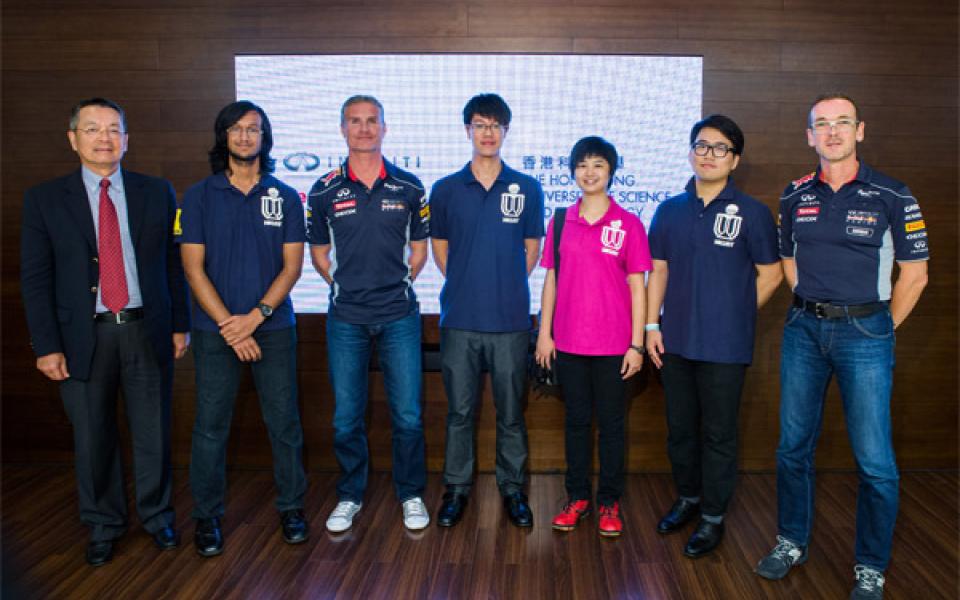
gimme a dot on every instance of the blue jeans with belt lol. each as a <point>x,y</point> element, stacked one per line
<point>859,351</point>
<point>398,349</point>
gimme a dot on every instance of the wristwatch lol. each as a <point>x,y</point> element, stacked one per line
<point>640,349</point>
<point>265,309</point>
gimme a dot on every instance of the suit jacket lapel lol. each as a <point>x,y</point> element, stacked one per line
<point>79,207</point>
<point>136,204</point>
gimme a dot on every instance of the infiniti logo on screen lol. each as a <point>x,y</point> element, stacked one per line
<point>301,160</point>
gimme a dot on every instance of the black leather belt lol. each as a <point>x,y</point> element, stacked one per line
<point>124,316</point>
<point>827,310</point>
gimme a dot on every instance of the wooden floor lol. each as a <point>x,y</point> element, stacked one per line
<point>483,557</point>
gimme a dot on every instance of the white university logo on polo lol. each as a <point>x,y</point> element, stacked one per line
<point>726,227</point>
<point>511,204</point>
<point>271,207</point>
<point>612,238</point>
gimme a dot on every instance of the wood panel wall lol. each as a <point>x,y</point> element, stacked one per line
<point>170,64</point>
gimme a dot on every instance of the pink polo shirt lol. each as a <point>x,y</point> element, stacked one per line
<point>592,314</point>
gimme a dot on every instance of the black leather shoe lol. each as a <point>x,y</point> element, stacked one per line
<point>208,538</point>
<point>518,510</point>
<point>295,528</point>
<point>99,552</point>
<point>166,538</point>
<point>452,509</point>
<point>703,541</point>
<point>681,513</point>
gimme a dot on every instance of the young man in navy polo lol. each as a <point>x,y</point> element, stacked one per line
<point>486,230</point>
<point>242,246</point>
<point>369,214</point>
<point>841,229</point>
<point>715,263</point>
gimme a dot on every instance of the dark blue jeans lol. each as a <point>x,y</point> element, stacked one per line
<point>218,376</point>
<point>398,348</point>
<point>859,351</point>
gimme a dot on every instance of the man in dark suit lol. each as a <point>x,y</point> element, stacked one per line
<point>106,306</point>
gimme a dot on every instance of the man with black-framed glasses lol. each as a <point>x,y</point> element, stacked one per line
<point>487,225</point>
<point>841,229</point>
<point>715,260</point>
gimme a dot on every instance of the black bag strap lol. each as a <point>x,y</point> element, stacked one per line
<point>559,216</point>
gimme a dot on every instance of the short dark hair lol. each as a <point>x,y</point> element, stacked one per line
<point>358,99</point>
<point>228,117</point>
<point>594,146</point>
<point>833,96</point>
<point>98,101</point>
<point>724,125</point>
<point>490,106</point>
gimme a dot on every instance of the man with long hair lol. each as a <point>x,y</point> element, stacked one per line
<point>242,245</point>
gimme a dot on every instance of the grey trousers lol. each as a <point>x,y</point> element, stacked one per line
<point>462,354</point>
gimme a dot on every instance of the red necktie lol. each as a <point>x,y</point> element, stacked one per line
<point>113,279</point>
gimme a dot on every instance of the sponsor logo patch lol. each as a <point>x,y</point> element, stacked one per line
<point>913,216</point>
<point>862,217</point>
<point>917,236</point>
<point>911,208</point>
<point>808,210</point>
<point>798,182</point>
<point>177,230</point>
<point>915,226</point>
<point>344,205</point>
<point>860,231</point>
<point>868,193</point>
<point>392,205</point>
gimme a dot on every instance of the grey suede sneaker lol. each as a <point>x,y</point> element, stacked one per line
<point>781,559</point>
<point>869,584</point>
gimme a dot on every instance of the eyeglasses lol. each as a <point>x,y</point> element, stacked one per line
<point>484,128</point>
<point>236,131</point>
<point>94,131</point>
<point>824,125</point>
<point>719,150</point>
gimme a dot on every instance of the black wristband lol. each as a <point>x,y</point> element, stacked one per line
<point>640,349</point>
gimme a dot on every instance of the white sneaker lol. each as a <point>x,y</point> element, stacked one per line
<point>415,515</point>
<point>341,519</point>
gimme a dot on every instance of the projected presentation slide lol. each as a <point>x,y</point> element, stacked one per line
<point>644,105</point>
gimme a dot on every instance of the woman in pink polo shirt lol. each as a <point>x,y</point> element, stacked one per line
<point>594,309</point>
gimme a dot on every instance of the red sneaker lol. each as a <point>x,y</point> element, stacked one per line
<point>571,514</point>
<point>610,523</point>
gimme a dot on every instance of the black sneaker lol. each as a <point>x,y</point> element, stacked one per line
<point>784,556</point>
<point>295,528</point>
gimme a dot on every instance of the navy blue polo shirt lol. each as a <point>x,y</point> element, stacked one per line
<point>845,242</point>
<point>486,287</point>
<point>243,238</point>
<point>369,230</point>
<point>710,306</point>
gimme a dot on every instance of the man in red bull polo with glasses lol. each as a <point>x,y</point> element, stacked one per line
<point>841,229</point>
